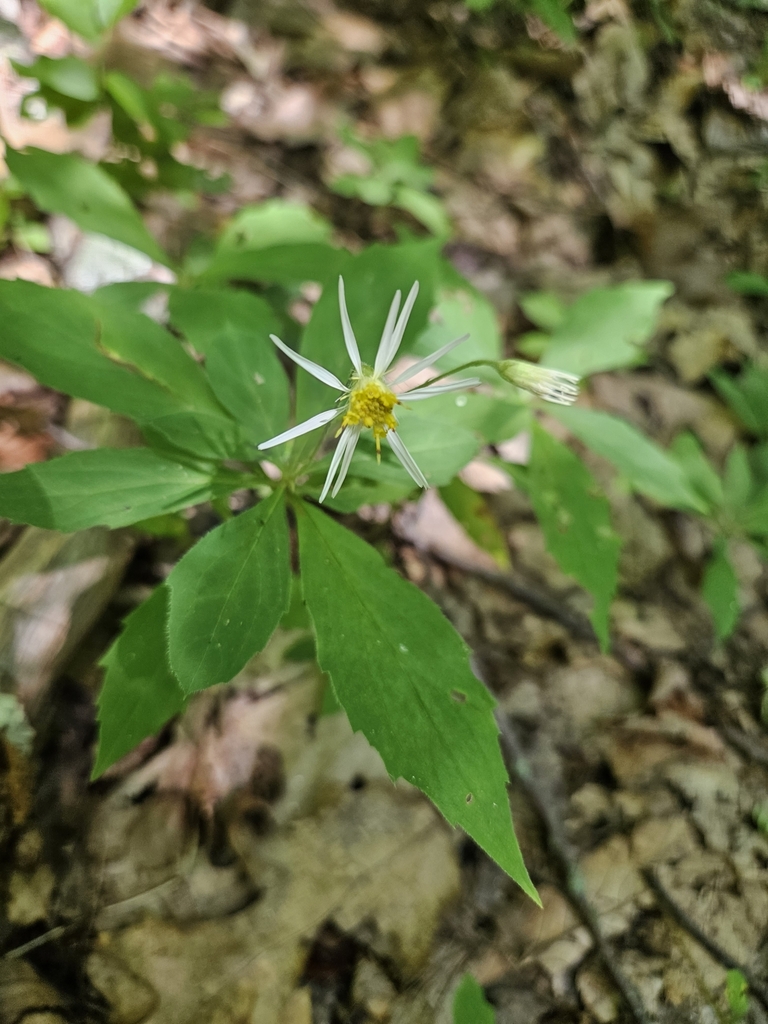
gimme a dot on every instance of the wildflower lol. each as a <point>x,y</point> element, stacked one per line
<point>551,385</point>
<point>369,401</point>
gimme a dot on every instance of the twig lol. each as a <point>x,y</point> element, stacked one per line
<point>561,850</point>
<point>757,987</point>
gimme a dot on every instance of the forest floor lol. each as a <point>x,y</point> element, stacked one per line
<point>254,863</point>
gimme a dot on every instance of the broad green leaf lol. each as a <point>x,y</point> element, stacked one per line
<point>275,222</point>
<point>554,14</point>
<point>228,593</point>
<point>402,675</point>
<point>231,329</point>
<point>139,693</point>
<point>493,419</point>
<point>471,510</point>
<point>607,327</point>
<point>131,98</point>
<point>576,520</point>
<point>470,1005</point>
<point>701,475</point>
<point>545,309</point>
<point>89,18</point>
<point>371,280</point>
<point>746,283</point>
<point>70,184</point>
<point>128,295</point>
<point>461,309</point>
<point>747,395</point>
<point>440,448</point>
<point>134,339</point>
<point>69,76</point>
<point>203,434</point>
<point>103,487</point>
<point>737,478</point>
<point>285,264</point>
<point>647,468</point>
<point>720,590</point>
<point>754,518</point>
<point>54,335</point>
<point>425,207</point>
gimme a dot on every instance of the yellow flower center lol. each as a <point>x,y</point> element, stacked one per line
<point>370,404</point>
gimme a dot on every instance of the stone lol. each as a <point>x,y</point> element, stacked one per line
<point>600,998</point>
<point>648,625</point>
<point>372,989</point>
<point>29,896</point>
<point>589,693</point>
<point>612,883</point>
<point>663,839</point>
<point>130,998</point>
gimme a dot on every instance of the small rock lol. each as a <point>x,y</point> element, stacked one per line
<point>648,625</point>
<point>373,990</point>
<point>599,997</point>
<point>22,991</point>
<point>612,883</point>
<point>592,692</point>
<point>130,998</point>
<point>663,839</point>
<point>29,896</point>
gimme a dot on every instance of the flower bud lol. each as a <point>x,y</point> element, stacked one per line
<point>551,385</point>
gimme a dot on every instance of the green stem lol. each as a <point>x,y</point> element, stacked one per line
<point>457,369</point>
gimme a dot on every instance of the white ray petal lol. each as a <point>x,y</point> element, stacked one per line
<point>349,335</point>
<point>423,364</point>
<point>385,356</point>
<point>429,391</point>
<point>386,334</point>
<point>349,451</point>
<point>405,457</point>
<point>312,423</point>
<point>337,457</point>
<point>306,364</point>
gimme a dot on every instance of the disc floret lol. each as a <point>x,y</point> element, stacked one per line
<point>370,403</point>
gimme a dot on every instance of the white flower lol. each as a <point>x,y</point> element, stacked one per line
<point>551,385</point>
<point>368,401</point>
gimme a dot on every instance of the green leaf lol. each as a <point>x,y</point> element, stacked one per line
<point>139,693</point>
<point>703,478</point>
<point>131,98</point>
<point>69,76</point>
<point>576,520</point>
<point>69,184</point>
<point>647,468</point>
<point>228,593</point>
<point>554,14</point>
<point>720,590</point>
<point>737,994</point>
<point>545,309</point>
<point>439,447</point>
<point>53,334</point>
<point>371,280</point>
<point>279,264</point>
<point>747,395</point>
<point>426,208</point>
<point>737,478</point>
<point>746,283</point>
<point>89,18</point>
<point>231,329</point>
<point>754,518</point>
<point>471,510</point>
<point>493,419</point>
<point>402,675</point>
<point>606,328</point>
<point>461,309</point>
<point>470,1005</point>
<point>275,222</point>
<point>104,487</point>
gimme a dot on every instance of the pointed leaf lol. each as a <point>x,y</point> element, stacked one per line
<point>648,468</point>
<point>701,475</point>
<point>401,673</point>
<point>231,329</point>
<point>607,327</point>
<point>470,1005</point>
<point>104,487</point>
<point>576,520</point>
<point>89,18</point>
<point>720,590</point>
<point>53,333</point>
<point>471,510</point>
<point>139,693</point>
<point>70,184</point>
<point>228,593</point>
